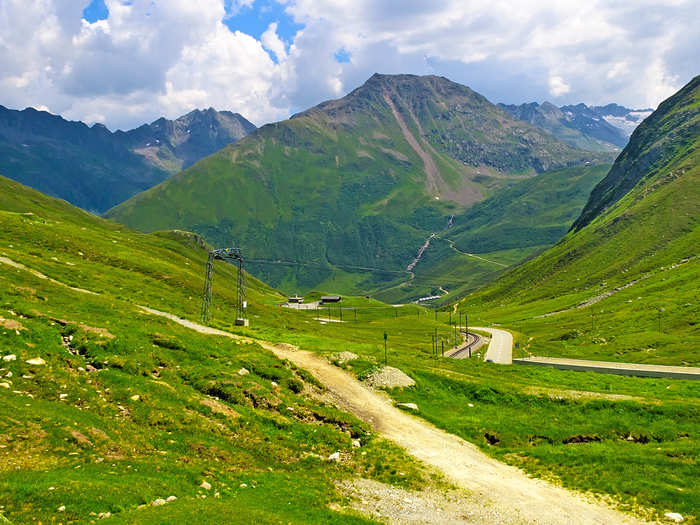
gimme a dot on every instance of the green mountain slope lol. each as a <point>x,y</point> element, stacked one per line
<point>167,408</point>
<point>632,252</point>
<point>355,182</point>
<point>513,224</point>
<point>94,168</point>
<point>125,408</point>
<point>668,136</point>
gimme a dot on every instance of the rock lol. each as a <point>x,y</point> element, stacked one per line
<point>243,372</point>
<point>170,498</point>
<point>274,383</point>
<point>356,443</point>
<point>9,357</point>
<point>205,485</point>
<point>674,516</point>
<point>158,502</point>
<point>62,508</point>
<point>242,485</point>
<point>135,397</point>
<point>9,374</point>
<point>35,361</point>
<point>103,515</point>
<point>90,368</point>
<point>470,405</point>
<point>389,377</point>
<point>62,396</point>
<point>334,458</point>
<point>5,385</point>
<point>343,357</point>
<point>410,406</point>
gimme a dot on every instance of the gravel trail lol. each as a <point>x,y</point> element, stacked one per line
<point>509,494</point>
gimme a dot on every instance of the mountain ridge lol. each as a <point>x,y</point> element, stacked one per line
<point>594,128</point>
<point>357,181</point>
<point>95,168</point>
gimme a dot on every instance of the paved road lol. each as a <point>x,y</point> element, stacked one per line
<point>607,367</point>
<point>501,346</point>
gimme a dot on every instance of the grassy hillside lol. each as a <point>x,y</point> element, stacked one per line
<point>77,438</point>
<point>513,224</point>
<point>125,408</point>
<point>630,256</point>
<point>356,182</point>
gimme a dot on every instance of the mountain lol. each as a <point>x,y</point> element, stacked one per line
<point>619,116</point>
<point>594,128</point>
<point>356,182</point>
<point>622,284</point>
<point>94,168</point>
<point>177,144</point>
<point>513,224</point>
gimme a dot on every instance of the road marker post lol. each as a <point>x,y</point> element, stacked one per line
<point>385,338</point>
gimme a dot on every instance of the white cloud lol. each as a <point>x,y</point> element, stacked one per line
<point>151,58</point>
<point>557,86</point>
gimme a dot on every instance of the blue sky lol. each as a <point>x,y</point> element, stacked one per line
<point>267,59</point>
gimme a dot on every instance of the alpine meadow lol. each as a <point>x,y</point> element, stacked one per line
<point>246,278</point>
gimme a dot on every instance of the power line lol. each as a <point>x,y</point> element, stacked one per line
<point>417,279</point>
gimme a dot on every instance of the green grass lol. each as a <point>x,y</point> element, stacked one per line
<point>165,272</point>
<point>104,450</point>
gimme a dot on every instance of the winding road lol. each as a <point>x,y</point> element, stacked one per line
<point>501,346</point>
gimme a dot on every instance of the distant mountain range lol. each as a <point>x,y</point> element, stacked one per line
<point>361,181</point>
<point>594,128</point>
<point>95,168</point>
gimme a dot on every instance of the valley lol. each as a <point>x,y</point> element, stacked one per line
<point>117,404</point>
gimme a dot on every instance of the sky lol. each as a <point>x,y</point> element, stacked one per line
<point>124,63</point>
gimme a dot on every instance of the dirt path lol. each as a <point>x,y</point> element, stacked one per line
<point>502,488</point>
<point>20,266</point>
<point>452,245</point>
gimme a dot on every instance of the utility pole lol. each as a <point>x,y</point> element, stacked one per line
<point>385,338</point>
<point>455,334</point>
<point>442,341</point>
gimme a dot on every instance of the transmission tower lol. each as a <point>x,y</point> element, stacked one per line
<point>228,255</point>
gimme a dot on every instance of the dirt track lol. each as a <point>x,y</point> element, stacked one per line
<point>515,497</point>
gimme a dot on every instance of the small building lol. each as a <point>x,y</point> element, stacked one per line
<point>295,299</point>
<point>325,299</point>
